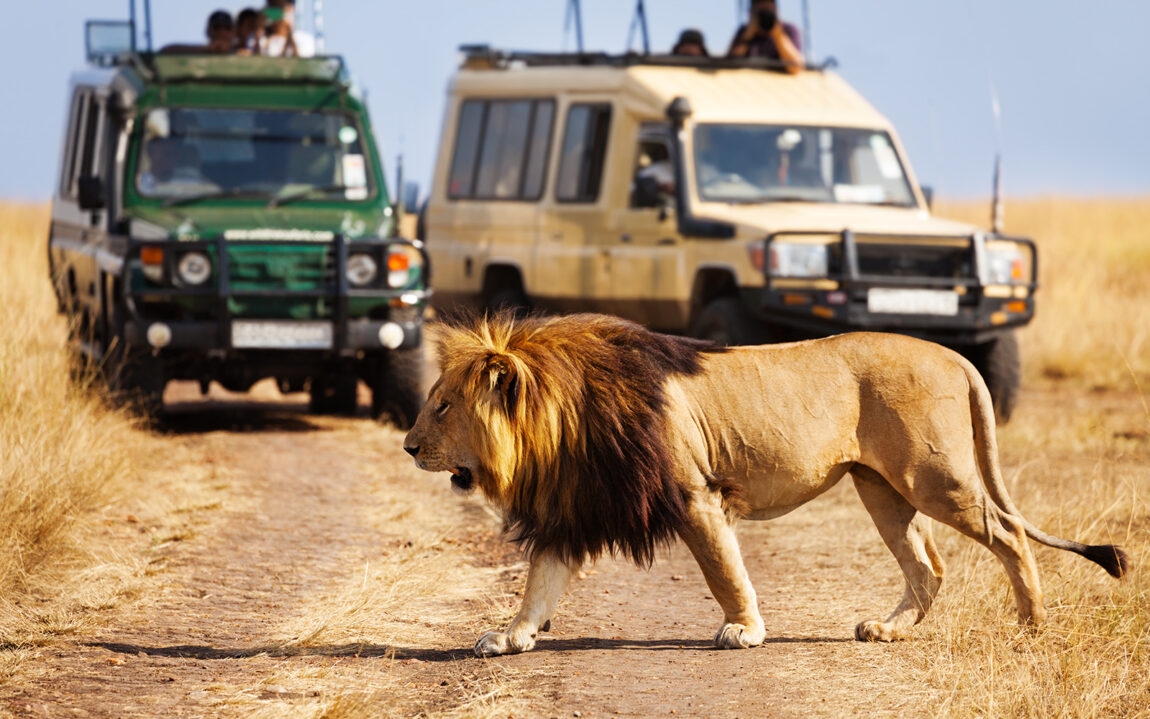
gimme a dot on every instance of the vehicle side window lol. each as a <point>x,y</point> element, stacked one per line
<point>89,154</point>
<point>81,106</point>
<point>584,149</point>
<point>466,149</point>
<point>501,149</point>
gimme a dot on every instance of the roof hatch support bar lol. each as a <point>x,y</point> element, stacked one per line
<point>640,19</point>
<point>147,24</point>
<point>575,11</point>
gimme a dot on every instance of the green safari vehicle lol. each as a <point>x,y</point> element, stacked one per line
<point>223,218</point>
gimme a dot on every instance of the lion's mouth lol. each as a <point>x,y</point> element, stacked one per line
<point>461,477</point>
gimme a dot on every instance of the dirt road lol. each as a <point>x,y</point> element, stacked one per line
<point>331,578</point>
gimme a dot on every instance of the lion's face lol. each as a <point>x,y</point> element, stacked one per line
<point>440,439</point>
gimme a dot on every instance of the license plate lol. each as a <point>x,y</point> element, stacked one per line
<point>912,302</point>
<point>268,334</point>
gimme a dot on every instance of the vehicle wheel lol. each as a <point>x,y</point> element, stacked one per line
<point>134,377</point>
<point>999,364</point>
<point>508,299</point>
<point>334,394</point>
<point>397,392</point>
<point>136,380</point>
<point>725,321</point>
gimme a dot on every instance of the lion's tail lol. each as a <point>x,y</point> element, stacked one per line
<point>1110,557</point>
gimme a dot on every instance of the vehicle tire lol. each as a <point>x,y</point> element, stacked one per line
<point>136,380</point>
<point>725,321</point>
<point>397,391</point>
<point>999,364</point>
<point>334,394</point>
<point>508,299</point>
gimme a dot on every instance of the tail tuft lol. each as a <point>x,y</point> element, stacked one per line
<point>1110,557</point>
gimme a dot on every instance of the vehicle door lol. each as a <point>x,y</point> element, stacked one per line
<point>80,210</point>
<point>571,269</point>
<point>644,248</point>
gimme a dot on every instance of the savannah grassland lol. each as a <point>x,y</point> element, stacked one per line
<point>85,490</point>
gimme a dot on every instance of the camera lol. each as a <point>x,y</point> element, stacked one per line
<point>767,19</point>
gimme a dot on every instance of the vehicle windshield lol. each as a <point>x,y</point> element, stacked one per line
<point>780,163</point>
<point>199,153</point>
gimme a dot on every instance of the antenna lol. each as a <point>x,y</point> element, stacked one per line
<point>317,25</point>
<point>640,19</point>
<point>997,209</point>
<point>806,31</point>
<point>148,23</point>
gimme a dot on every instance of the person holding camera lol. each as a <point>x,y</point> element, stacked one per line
<point>765,35</point>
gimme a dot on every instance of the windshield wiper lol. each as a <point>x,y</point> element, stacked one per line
<point>213,195</point>
<point>304,193</point>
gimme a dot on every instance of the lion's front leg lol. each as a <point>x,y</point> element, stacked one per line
<point>712,541</point>
<point>547,579</point>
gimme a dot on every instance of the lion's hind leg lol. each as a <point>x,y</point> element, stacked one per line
<point>907,533</point>
<point>954,495</point>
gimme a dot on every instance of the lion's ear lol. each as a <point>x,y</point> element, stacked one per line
<point>504,379</point>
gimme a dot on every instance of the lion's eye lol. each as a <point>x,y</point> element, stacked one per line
<point>442,409</point>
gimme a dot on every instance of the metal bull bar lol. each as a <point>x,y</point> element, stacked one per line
<point>850,274</point>
<point>335,287</point>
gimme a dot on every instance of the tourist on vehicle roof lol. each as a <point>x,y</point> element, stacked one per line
<point>249,30</point>
<point>691,43</point>
<point>221,32</point>
<point>281,39</point>
<point>765,35</point>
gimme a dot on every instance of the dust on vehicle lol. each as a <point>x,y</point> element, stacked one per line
<point>713,197</point>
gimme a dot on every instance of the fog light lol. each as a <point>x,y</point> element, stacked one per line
<point>391,335</point>
<point>159,335</point>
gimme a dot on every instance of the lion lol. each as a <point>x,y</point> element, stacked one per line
<point>595,435</point>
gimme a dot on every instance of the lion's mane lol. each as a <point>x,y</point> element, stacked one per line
<point>567,417</point>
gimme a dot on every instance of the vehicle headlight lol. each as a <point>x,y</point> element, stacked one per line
<point>398,267</point>
<point>362,269</point>
<point>1007,263</point>
<point>798,260</point>
<point>194,268</point>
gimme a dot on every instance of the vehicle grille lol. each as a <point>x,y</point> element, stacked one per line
<point>289,268</point>
<point>891,259</point>
<point>280,267</point>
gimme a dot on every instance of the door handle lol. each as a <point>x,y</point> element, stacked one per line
<point>625,238</point>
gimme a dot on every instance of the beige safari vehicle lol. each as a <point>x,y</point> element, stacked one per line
<point>717,198</point>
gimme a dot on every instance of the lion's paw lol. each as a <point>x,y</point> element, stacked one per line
<point>739,636</point>
<point>494,644</point>
<point>875,631</point>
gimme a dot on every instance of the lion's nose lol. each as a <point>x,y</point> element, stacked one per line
<point>411,450</point>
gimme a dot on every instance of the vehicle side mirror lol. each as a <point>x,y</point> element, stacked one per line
<point>646,192</point>
<point>90,193</point>
<point>928,195</point>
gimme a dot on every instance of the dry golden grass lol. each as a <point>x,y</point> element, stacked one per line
<point>1077,464</point>
<point>61,449</point>
<point>1093,320</point>
<point>68,462</point>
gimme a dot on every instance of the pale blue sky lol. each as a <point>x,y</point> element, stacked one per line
<point>1073,78</point>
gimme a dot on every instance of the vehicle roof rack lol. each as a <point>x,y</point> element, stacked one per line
<point>174,68</point>
<point>486,57</point>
